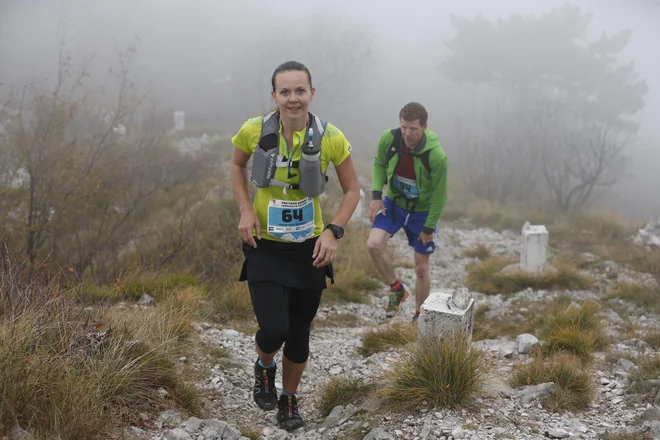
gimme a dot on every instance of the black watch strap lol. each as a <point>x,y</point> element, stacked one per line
<point>337,231</point>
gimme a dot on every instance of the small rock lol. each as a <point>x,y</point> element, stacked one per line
<point>192,424</point>
<point>530,393</point>
<point>146,300</point>
<point>652,413</point>
<point>426,429</point>
<point>231,434</point>
<point>230,334</point>
<point>635,343</point>
<point>170,417</point>
<point>176,434</point>
<point>526,342</point>
<point>509,349</point>
<point>133,432</point>
<point>461,297</point>
<point>511,268</point>
<point>654,431</point>
<point>18,433</point>
<point>371,404</point>
<point>556,433</point>
<point>378,434</point>
<point>333,418</point>
<point>214,429</point>
<point>578,426</point>
<point>625,364</point>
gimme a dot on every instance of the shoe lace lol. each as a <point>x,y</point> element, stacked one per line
<point>264,378</point>
<point>292,407</point>
<point>392,299</point>
<point>266,381</point>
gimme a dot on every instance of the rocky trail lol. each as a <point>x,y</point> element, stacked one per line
<point>501,412</point>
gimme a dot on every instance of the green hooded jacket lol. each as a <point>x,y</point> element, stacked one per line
<point>431,184</point>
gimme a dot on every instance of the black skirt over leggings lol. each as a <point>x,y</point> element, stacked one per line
<point>285,289</point>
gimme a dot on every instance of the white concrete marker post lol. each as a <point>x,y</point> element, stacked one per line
<point>179,121</point>
<point>446,311</point>
<point>533,247</point>
<point>361,213</point>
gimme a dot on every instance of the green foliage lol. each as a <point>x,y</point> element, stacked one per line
<point>557,105</point>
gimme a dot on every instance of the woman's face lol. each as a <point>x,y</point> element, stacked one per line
<point>292,94</point>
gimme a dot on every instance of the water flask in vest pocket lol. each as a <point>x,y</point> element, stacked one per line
<point>312,182</point>
<point>264,160</point>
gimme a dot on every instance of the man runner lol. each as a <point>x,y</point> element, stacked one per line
<point>412,163</point>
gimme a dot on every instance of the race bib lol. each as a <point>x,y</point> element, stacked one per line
<point>291,220</point>
<point>406,186</point>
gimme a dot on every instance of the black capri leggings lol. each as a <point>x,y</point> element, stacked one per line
<point>284,315</point>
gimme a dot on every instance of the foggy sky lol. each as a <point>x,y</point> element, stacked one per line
<point>184,43</point>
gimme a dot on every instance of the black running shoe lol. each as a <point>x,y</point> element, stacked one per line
<point>264,391</point>
<point>287,413</point>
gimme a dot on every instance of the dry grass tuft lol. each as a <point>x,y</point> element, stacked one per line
<point>574,389</point>
<point>341,391</point>
<point>487,277</point>
<point>639,294</point>
<point>67,374</point>
<point>386,337</point>
<point>442,373</point>
<point>480,251</point>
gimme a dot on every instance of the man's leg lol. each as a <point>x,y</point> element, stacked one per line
<point>423,253</point>
<point>422,283</point>
<point>383,227</point>
<point>377,246</point>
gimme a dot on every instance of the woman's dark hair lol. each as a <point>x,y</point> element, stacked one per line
<point>291,65</point>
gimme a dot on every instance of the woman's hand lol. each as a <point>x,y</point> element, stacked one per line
<point>249,222</point>
<point>325,249</point>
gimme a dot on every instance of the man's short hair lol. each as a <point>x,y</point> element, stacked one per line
<point>414,111</point>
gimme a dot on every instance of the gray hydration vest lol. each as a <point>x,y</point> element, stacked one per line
<point>267,158</point>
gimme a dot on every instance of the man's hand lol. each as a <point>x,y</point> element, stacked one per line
<point>248,222</point>
<point>325,249</point>
<point>374,207</point>
<point>426,238</point>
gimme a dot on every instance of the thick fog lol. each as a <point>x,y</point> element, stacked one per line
<point>214,59</point>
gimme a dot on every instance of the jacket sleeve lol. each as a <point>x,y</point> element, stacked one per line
<point>439,197</point>
<point>379,168</point>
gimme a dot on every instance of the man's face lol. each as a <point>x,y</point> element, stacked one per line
<point>412,132</point>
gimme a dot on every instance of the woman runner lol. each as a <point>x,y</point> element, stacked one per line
<point>288,250</point>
